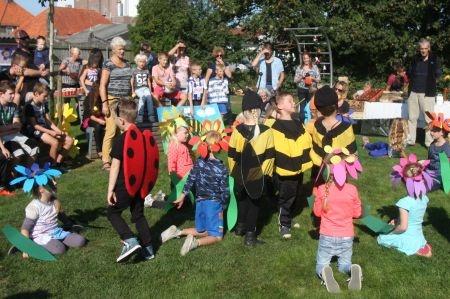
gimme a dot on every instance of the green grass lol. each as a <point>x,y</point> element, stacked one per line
<point>277,269</point>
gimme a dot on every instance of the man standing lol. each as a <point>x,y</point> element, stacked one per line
<point>424,72</point>
<point>270,69</point>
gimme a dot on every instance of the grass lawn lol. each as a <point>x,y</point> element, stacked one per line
<point>229,269</point>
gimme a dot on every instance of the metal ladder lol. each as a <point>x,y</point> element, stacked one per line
<point>313,40</point>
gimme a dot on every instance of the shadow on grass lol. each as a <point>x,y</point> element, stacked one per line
<point>172,217</point>
<point>390,211</point>
<point>438,218</point>
<point>31,294</point>
<point>89,215</point>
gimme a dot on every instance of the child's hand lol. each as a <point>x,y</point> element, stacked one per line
<point>86,91</point>
<point>392,222</point>
<point>6,152</point>
<point>133,95</point>
<point>111,198</point>
<point>25,255</point>
<point>179,202</point>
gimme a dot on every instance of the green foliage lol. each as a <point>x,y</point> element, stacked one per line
<point>367,37</point>
<point>199,23</point>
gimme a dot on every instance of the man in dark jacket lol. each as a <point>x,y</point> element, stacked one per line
<point>424,73</point>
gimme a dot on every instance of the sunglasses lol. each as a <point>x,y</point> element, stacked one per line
<point>339,90</point>
<point>219,55</point>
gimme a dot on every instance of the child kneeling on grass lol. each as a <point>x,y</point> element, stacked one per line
<point>337,203</point>
<point>210,177</point>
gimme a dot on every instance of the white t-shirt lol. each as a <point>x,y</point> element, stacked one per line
<point>46,217</point>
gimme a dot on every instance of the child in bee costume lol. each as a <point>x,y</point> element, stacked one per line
<point>251,156</point>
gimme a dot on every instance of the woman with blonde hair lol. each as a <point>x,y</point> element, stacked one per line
<point>115,83</point>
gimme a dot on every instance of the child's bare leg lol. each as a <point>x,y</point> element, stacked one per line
<point>54,144</point>
<point>194,232</point>
<point>203,238</point>
<point>208,240</point>
<point>67,144</point>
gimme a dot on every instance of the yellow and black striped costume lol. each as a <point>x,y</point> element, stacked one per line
<point>262,145</point>
<point>340,136</point>
<point>292,147</point>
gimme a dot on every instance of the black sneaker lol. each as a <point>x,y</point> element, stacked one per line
<point>148,253</point>
<point>285,232</point>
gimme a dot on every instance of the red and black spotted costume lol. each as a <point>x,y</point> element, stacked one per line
<point>139,161</point>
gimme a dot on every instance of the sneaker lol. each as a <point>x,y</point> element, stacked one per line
<point>170,233</point>
<point>160,196</point>
<point>355,282</point>
<point>189,244</point>
<point>329,281</point>
<point>148,253</point>
<point>148,201</point>
<point>13,250</point>
<point>130,246</point>
<point>285,232</point>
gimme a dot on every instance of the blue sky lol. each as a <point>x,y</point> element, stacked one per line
<point>34,7</point>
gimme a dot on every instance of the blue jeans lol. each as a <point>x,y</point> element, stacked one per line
<point>342,247</point>
<point>145,99</point>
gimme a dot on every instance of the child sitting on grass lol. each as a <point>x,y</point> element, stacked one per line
<point>44,211</point>
<point>439,129</point>
<point>337,203</point>
<point>41,127</point>
<point>210,178</point>
<point>407,235</point>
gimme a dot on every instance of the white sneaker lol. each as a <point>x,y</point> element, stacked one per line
<point>355,283</point>
<point>148,201</point>
<point>160,196</point>
<point>189,244</point>
<point>330,282</point>
<point>170,233</point>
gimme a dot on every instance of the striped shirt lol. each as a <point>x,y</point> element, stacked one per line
<point>218,90</point>
<point>292,147</point>
<point>338,137</point>
<point>196,87</point>
<point>119,79</point>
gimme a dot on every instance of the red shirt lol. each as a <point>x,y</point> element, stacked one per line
<point>179,159</point>
<point>342,206</point>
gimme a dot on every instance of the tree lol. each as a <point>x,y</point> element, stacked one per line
<point>201,24</point>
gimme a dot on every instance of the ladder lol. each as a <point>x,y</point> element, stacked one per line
<point>316,42</point>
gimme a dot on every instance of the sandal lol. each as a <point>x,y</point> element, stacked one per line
<point>106,166</point>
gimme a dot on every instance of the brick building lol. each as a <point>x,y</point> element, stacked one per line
<point>118,11</point>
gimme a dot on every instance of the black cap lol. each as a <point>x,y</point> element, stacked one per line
<point>325,96</point>
<point>251,100</point>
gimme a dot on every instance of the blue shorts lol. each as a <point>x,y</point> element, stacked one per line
<point>209,217</point>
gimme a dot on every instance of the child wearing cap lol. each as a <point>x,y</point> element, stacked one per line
<point>259,138</point>
<point>292,146</point>
<point>328,129</point>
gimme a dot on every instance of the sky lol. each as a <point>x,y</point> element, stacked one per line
<point>34,7</point>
